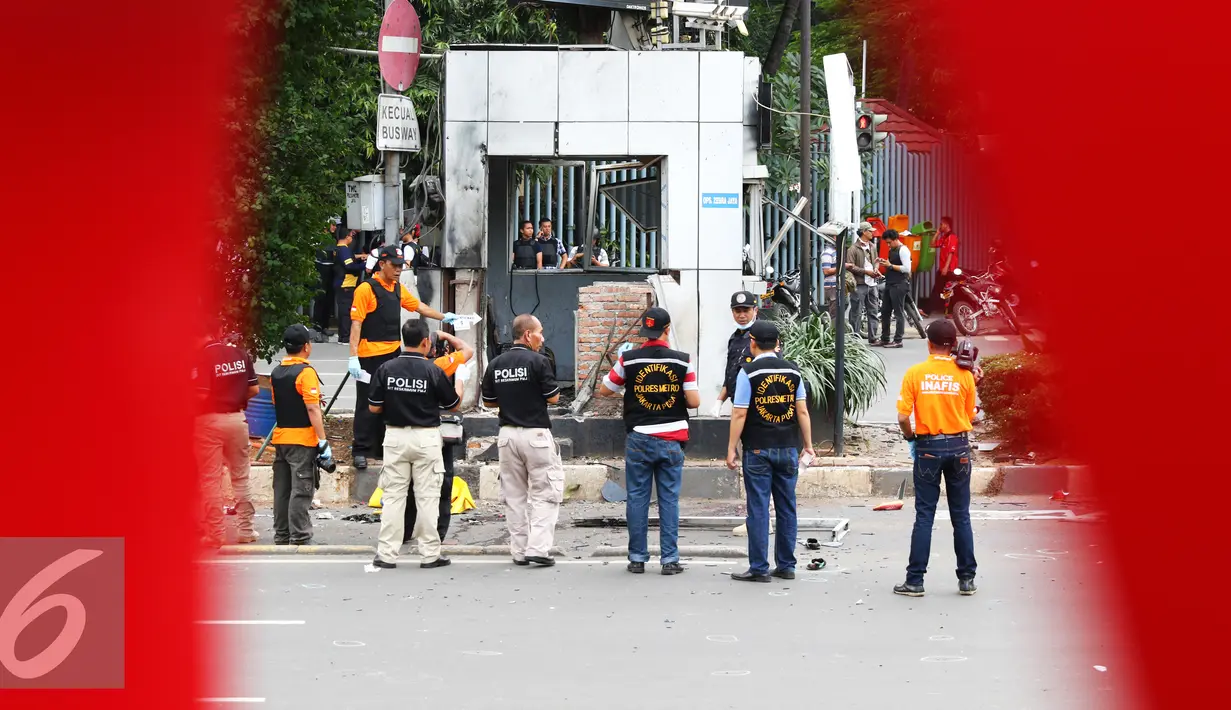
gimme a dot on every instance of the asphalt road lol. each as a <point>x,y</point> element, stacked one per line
<point>321,632</point>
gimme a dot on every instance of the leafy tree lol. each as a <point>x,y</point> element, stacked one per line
<point>302,123</point>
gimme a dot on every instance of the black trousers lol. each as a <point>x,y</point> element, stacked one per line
<point>446,500</point>
<point>294,487</point>
<point>345,297</point>
<point>936,304</point>
<point>324,305</point>
<point>369,428</point>
<point>895,303</point>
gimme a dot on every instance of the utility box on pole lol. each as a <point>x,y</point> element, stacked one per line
<point>365,203</point>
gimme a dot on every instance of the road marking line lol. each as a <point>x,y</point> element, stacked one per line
<point>253,622</point>
<point>365,560</point>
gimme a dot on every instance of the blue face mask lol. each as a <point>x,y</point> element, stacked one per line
<point>746,326</point>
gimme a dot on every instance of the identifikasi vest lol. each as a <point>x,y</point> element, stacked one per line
<point>771,421</point>
<point>654,386</point>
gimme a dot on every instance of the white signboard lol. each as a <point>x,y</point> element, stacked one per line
<point>397,127</point>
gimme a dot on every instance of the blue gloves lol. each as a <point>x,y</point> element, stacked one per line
<point>913,456</point>
<point>324,452</point>
<point>448,318</point>
<point>624,348</point>
<point>353,367</point>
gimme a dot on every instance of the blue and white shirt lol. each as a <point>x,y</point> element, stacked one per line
<point>829,260</point>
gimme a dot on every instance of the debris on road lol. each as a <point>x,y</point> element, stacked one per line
<point>363,517</point>
<point>897,503</point>
<point>614,493</point>
<point>324,516</point>
<point>816,563</point>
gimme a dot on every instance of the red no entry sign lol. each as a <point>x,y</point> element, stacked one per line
<point>400,39</point>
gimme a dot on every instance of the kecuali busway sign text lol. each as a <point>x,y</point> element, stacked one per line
<point>397,127</point>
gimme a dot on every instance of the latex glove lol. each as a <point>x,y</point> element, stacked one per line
<point>462,373</point>
<point>716,410</point>
<point>353,367</point>
<point>625,347</point>
<point>912,450</point>
<point>448,318</point>
<point>323,450</point>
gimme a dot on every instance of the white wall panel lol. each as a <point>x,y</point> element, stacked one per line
<point>662,86</point>
<point>677,141</point>
<point>593,86</point>
<point>720,227</point>
<point>528,139</point>
<point>594,139</point>
<point>722,87</point>
<point>465,86</point>
<point>523,86</point>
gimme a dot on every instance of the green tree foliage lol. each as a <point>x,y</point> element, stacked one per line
<point>302,122</point>
<point>1020,401</point>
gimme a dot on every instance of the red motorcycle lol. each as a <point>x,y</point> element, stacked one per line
<point>969,298</point>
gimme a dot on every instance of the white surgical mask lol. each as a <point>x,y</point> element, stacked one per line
<point>745,326</point>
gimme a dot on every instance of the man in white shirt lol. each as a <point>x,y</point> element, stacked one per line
<point>598,257</point>
<point>897,288</point>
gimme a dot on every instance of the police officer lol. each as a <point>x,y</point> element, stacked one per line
<point>526,251</point>
<point>408,393</point>
<point>375,322</point>
<point>453,356</point>
<point>659,386</point>
<point>347,270</point>
<point>942,397</point>
<point>521,383</point>
<point>744,311</point>
<point>770,419</point>
<point>225,380</point>
<point>325,298</point>
<point>298,439</point>
<point>550,246</point>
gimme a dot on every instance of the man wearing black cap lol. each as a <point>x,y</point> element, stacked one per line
<point>409,392</point>
<point>375,324</point>
<point>897,288</point>
<point>744,311</point>
<point>659,386</point>
<point>225,380</point>
<point>521,383</point>
<point>942,398</point>
<point>771,420</point>
<point>298,439</point>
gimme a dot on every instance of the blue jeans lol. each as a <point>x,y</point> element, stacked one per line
<point>766,472</point>
<point>649,460</point>
<point>950,458</point>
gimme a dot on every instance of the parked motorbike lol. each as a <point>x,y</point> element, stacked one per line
<point>783,292</point>
<point>970,298</point>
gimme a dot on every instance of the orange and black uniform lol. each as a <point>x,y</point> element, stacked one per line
<point>378,306</point>
<point>295,385</point>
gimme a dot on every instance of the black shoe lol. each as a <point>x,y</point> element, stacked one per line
<point>309,541</point>
<point>521,563</point>
<point>749,577</point>
<point>282,542</point>
<point>909,590</point>
<point>783,573</point>
<point>542,561</point>
<point>966,587</point>
<point>636,567</point>
<point>360,461</point>
<point>441,561</point>
<point>670,568</point>
<point>892,345</point>
<point>378,562</point>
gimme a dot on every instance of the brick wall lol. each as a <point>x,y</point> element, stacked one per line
<point>600,306</point>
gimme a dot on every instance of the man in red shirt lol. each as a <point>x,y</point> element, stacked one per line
<point>659,386</point>
<point>945,246</point>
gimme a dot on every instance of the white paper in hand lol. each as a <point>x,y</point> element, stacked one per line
<point>364,376</point>
<point>465,322</point>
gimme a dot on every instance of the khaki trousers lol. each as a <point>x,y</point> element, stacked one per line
<point>411,454</point>
<point>532,486</point>
<point>221,442</point>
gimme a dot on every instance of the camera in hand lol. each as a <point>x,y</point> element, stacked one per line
<point>326,464</point>
<point>965,354</point>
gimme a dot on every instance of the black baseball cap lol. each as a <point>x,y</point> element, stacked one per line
<point>391,253</point>
<point>653,321</point>
<point>942,332</point>
<point>743,299</point>
<point>763,331</point>
<point>296,336</point>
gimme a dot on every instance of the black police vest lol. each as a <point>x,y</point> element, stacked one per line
<point>384,325</point>
<point>654,386</point>
<point>289,408</point>
<point>893,276</point>
<point>551,252</point>
<point>738,355</point>
<point>771,421</point>
<point>524,254</point>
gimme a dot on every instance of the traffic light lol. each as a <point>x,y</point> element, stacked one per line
<point>865,138</point>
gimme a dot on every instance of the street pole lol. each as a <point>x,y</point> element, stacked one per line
<point>839,360</point>
<point>805,152</point>
<point>393,178</point>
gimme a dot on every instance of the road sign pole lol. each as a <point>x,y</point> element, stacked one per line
<point>393,177</point>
